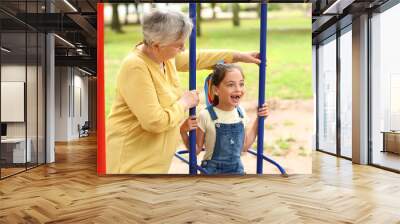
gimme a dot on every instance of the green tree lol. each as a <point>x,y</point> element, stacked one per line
<point>275,7</point>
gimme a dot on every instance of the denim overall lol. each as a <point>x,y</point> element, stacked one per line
<point>228,146</point>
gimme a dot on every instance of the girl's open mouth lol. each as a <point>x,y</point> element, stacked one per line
<point>235,98</point>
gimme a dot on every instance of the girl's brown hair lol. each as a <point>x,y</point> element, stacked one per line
<point>216,78</point>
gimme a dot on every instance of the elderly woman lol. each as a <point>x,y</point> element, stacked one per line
<point>149,107</point>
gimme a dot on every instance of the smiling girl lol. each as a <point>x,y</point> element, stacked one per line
<point>221,127</point>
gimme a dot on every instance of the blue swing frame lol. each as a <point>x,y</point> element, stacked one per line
<point>193,167</point>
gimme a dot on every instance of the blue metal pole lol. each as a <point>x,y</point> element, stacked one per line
<point>178,155</point>
<point>192,86</point>
<point>281,169</point>
<point>261,85</point>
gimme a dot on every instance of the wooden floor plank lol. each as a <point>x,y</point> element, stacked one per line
<point>69,191</point>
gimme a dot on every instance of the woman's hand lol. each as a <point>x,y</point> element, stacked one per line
<point>249,57</point>
<point>189,124</point>
<point>263,111</point>
<point>189,99</point>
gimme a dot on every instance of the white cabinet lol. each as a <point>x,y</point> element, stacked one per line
<point>16,147</point>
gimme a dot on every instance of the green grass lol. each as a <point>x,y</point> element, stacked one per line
<point>282,143</point>
<point>304,152</point>
<point>288,123</point>
<point>288,55</point>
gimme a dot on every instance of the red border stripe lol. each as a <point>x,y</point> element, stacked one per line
<point>101,148</point>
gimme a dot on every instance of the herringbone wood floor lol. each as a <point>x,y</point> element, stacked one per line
<point>69,191</point>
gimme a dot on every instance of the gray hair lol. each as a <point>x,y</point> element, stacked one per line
<point>165,26</point>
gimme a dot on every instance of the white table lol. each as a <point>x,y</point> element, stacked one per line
<point>18,150</point>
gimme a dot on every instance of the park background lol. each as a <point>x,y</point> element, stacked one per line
<point>236,26</point>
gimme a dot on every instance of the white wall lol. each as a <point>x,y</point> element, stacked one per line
<point>13,73</point>
<point>70,83</point>
<point>61,103</point>
<point>81,83</point>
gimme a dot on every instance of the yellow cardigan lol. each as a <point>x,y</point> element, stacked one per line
<point>142,131</point>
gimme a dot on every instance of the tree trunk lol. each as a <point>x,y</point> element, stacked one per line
<point>137,13</point>
<point>126,13</point>
<point>198,19</point>
<point>214,15</point>
<point>235,10</point>
<point>115,23</point>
